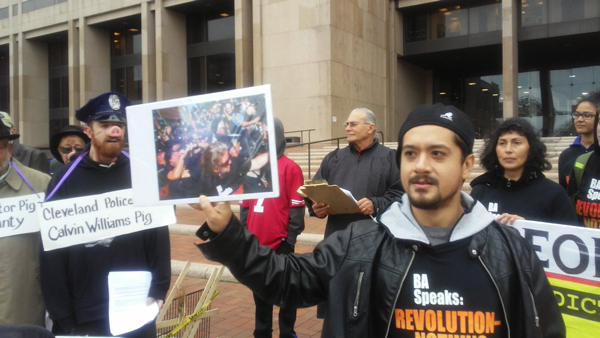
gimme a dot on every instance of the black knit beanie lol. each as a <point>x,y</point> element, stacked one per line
<point>438,114</point>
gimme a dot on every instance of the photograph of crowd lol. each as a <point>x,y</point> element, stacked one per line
<point>215,148</point>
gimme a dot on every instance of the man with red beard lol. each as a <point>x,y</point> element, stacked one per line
<point>75,279</point>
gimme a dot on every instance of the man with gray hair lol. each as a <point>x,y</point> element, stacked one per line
<point>20,295</point>
<point>29,156</point>
<point>365,168</point>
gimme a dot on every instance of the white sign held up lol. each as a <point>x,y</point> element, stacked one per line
<point>88,219</point>
<point>18,215</point>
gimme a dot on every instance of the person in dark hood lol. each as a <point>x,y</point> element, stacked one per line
<point>514,186</point>
<point>277,222</point>
<point>584,188</point>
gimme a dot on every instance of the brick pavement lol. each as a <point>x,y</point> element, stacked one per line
<point>235,303</point>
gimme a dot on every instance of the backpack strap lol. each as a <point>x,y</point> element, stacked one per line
<point>579,167</point>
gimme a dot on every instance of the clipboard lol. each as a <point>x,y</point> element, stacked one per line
<point>339,202</point>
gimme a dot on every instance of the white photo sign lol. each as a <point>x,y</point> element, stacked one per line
<point>89,219</point>
<point>18,215</point>
<point>221,145</point>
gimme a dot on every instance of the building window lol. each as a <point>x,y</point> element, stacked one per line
<point>126,63</point>
<point>448,22</point>
<point>452,21</point>
<point>4,76</point>
<point>486,18</point>
<point>536,12</point>
<point>547,104</point>
<point>58,86</point>
<point>211,51</point>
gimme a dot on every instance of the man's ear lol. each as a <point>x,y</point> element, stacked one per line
<point>372,128</point>
<point>468,166</point>
<point>88,131</point>
<point>13,130</point>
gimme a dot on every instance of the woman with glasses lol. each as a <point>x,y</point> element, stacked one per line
<point>514,186</point>
<point>65,144</point>
<point>584,181</point>
<point>583,120</point>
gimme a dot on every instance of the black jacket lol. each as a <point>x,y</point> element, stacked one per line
<point>370,174</point>
<point>379,256</point>
<point>75,279</point>
<point>567,159</point>
<point>533,197</point>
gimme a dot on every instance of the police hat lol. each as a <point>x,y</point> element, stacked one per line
<point>106,107</point>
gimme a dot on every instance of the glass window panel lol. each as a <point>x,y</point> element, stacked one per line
<point>220,72</point>
<point>534,12</point>
<point>196,29</point>
<point>64,92</point>
<point>54,93</point>
<point>117,43</point>
<point>118,81</point>
<point>4,64</point>
<point>4,104</point>
<point>582,75</point>
<point>449,22</point>
<point>566,10</point>
<point>530,98</point>
<point>54,55</point>
<point>134,41</point>
<point>197,76</point>
<point>134,86</point>
<point>485,18</point>
<point>222,28</point>
<point>64,52</point>
<point>415,27</point>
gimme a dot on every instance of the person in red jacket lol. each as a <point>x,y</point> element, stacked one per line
<point>277,222</point>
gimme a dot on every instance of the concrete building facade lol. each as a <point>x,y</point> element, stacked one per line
<point>491,58</point>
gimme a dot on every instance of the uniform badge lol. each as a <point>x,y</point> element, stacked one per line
<point>114,102</point>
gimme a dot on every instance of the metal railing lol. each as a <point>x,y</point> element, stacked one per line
<point>301,133</point>
<point>337,139</point>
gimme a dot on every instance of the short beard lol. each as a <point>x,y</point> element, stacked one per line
<point>108,149</point>
<point>434,203</point>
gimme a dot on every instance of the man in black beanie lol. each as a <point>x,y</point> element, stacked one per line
<point>434,264</point>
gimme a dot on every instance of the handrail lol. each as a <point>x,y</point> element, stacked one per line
<point>321,141</point>
<point>301,133</point>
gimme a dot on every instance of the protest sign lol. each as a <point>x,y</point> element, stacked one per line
<point>571,258</point>
<point>18,215</point>
<point>221,145</point>
<point>88,219</point>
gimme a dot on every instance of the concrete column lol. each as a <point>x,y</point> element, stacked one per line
<point>33,92</point>
<point>171,53</point>
<point>257,42</point>
<point>13,59</point>
<point>510,59</point>
<point>73,50</point>
<point>394,37</point>
<point>94,61</point>
<point>148,54</point>
<point>13,81</point>
<point>243,44</point>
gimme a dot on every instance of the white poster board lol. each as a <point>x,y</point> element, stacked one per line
<point>89,219</point>
<point>18,215</point>
<point>570,256</point>
<point>221,145</point>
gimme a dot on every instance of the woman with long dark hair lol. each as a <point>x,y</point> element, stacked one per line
<point>514,186</point>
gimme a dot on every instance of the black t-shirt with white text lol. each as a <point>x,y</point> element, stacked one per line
<point>448,294</point>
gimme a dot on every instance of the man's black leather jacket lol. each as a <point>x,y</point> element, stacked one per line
<point>360,271</point>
